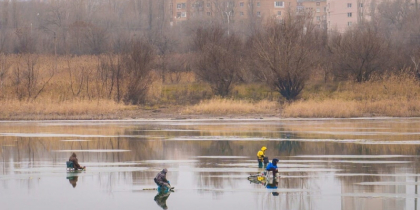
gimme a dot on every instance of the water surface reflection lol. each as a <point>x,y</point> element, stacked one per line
<point>324,164</point>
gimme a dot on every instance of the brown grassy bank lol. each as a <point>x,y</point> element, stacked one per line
<point>235,107</point>
<point>394,96</point>
<point>80,109</point>
<point>76,88</point>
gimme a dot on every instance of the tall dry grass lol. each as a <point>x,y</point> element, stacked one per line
<point>395,96</point>
<point>29,110</point>
<point>229,106</point>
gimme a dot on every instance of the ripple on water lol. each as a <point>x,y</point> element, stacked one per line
<point>223,157</point>
<point>76,140</point>
<point>387,183</point>
<point>93,150</point>
<point>353,156</point>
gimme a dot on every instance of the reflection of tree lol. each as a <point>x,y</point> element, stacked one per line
<point>139,140</point>
<point>289,147</point>
<point>223,147</point>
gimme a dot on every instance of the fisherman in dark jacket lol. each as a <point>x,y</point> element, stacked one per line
<point>76,165</point>
<point>161,180</point>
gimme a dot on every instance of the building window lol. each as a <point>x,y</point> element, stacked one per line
<point>349,14</point>
<point>318,18</point>
<point>183,14</point>
<point>259,14</point>
<point>349,23</point>
<point>258,4</point>
<point>208,4</point>
<point>178,15</point>
<point>318,10</point>
<point>278,4</point>
<point>325,9</point>
<point>348,5</point>
<point>208,13</point>
<point>278,13</point>
<point>181,6</point>
<point>241,13</point>
<point>361,4</point>
<point>241,4</point>
<point>318,3</point>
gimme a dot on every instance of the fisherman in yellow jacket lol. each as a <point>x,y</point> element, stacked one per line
<point>260,156</point>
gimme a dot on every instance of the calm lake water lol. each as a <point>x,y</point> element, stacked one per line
<point>348,164</point>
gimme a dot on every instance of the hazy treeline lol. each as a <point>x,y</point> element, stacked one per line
<point>134,41</point>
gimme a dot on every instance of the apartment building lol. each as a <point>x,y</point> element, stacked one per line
<point>317,9</point>
<point>231,10</point>
<point>344,14</point>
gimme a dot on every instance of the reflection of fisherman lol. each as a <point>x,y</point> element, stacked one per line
<point>272,184</point>
<point>73,180</point>
<point>257,180</point>
<point>261,157</point>
<point>161,198</point>
<point>273,166</point>
<point>161,180</point>
<point>76,165</point>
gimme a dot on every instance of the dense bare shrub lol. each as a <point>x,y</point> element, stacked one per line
<point>286,54</point>
<point>26,78</point>
<point>137,65</point>
<point>358,53</point>
<point>218,58</point>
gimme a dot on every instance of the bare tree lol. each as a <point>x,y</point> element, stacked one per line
<point>77,78</point>
<point>358,53</point>
<point>27,80</point>
<point>416,63</point>
<point>137,68</point>
<point>5,65</point>
<point>219,58</point>
<point>286,54</point>
<point>25,40</point>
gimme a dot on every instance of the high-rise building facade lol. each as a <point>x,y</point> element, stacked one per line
<point>231,10</point>
<point>317,9</point>
<point>344,14</point>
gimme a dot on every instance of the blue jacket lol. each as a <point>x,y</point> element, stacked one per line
<point>271,166</point>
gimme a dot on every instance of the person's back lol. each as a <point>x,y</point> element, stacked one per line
<point>272,166</point>
<point>76,165</point>
<point>161,180</point>
<point>260,156</point>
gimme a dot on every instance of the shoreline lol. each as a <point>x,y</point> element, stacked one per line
<point>173,114</point>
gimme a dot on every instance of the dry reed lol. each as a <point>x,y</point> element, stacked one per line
<point>394,96</point>
<point>11,108</point>
<point>229,106</point>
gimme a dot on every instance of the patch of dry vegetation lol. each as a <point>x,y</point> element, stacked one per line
<point>76,86</point>
<point>228,106</point>
<point>396,96</point>
<point>10,108</point>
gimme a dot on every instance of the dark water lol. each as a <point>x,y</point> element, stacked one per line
<point>324,164</point>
